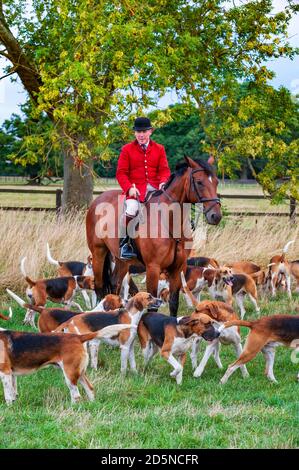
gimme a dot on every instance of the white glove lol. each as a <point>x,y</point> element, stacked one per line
<point>161,185</point>
<point>133,191</point>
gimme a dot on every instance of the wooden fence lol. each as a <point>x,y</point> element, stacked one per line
<point>58,195</point>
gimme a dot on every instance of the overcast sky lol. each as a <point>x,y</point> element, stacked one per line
<point>287,74</point>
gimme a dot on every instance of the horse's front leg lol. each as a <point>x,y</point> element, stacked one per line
<point>152,279</point>
<point>98,259</point>
<point>175,282</point>
<point>174,293</point>
<point>118,275</point>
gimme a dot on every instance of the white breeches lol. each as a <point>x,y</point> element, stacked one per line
<point>131,207</point>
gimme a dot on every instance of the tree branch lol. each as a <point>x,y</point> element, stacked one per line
<point>26,70</point>
<point>254,174</point>
<point>8,74</point>
<point>4,54</point>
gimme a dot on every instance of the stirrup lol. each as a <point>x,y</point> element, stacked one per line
<point>127,251</point>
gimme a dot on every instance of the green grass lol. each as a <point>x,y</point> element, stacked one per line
<point>151,411</point>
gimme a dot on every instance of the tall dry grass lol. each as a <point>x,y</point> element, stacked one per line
<point>248,239</point>
<point>26,235</point>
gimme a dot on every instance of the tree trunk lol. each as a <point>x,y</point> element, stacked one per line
<point>77,185</point>
<point>78,182</point>
<point>292,210</point>
<point>244,171</point>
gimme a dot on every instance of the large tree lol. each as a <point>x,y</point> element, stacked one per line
<point>259,127</point>
<point>88,63</point>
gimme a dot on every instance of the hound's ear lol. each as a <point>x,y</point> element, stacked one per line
<point>257,274</point>
<point>189,321</point>
<point>138,304</point>
<point>193,322</point>
<point>184,320</point>
<point>213,309</point>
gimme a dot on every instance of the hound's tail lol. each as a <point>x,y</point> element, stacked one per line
<point>30,282</point>
<point>107,332</point>
<point>36,308</point>
<point>49,257</point>
<point>187,290</point>
<point>23,266</point>
<point>9,316</point>
<point>284,251</point>
<point>249,324</point>
<point>18,299</point>
<point>286,247</point>
<point>22,303</point>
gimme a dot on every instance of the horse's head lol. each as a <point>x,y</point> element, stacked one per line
<point>201,186</point>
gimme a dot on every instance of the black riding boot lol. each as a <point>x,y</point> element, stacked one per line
<point>126,248</point>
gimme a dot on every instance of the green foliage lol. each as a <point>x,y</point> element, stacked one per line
<point>259,123</point>
<point>182,136</point>
<point>102,62</point>
<point>23,142</point>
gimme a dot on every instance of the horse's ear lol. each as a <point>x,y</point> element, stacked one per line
<point>190,162</point>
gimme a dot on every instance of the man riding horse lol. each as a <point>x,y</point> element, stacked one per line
<point>142,168</point>
<point>139,171</point>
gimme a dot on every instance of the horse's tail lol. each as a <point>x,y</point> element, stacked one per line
<point>107,274</point>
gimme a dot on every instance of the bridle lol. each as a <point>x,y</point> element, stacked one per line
<point>194,188</point>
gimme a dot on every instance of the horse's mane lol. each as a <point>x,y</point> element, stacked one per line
<point>209,170</point>
<point>180,169</point>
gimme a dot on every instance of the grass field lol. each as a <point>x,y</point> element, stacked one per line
<point>149,410</point>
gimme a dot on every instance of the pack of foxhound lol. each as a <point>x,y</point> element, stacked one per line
<point>70,338</point>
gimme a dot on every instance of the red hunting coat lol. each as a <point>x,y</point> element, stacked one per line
<point>139,167</point>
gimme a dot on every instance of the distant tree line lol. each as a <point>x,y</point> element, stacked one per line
<point>182,137</point>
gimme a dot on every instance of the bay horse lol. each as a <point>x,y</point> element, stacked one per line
<point>194,181</point>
